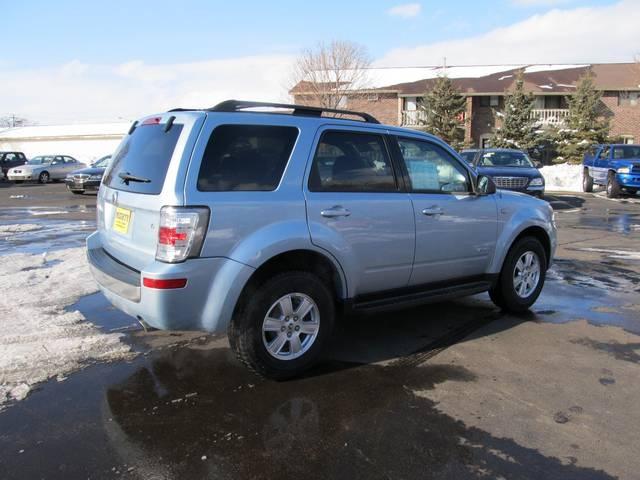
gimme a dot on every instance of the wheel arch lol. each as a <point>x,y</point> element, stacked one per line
<point>325,267</point>
<point>538,233</point>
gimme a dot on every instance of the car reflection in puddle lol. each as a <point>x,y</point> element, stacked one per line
<point>196,413</point>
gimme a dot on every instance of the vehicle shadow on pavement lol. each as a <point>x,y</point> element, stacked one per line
<point>198,413</point>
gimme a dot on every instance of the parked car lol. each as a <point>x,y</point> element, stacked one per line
<point>44,168</point>
<point>9,160</point>
<point>87,179</point>
<point>510,169</point>
<point>268,226</point>
<point>614,166</point>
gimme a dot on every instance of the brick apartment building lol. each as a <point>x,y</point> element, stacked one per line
<point>395,94</point>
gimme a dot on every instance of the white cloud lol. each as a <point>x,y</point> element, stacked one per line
<point>77,91</point>
<point>540,3</point>
<point>406,10</point>
<point>579,35</point>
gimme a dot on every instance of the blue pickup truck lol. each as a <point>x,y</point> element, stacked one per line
<point>614,166</point>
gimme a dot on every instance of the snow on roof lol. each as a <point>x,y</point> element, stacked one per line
<point>385,76</point>
<point>79,130</point>
<point>551,68</point>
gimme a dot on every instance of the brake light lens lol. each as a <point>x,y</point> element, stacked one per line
<point>164,283</point>
<point>181,233</point>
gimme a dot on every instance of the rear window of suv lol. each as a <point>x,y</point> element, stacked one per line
<point>246,158</point>
<point>145,154</point>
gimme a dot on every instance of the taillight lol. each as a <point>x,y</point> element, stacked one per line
<point>181,233</point>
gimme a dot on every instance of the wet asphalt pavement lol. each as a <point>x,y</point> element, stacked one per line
<point>451,390</point>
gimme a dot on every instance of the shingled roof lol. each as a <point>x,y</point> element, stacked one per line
<point>497,79</point>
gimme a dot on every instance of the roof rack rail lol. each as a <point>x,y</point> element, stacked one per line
<point>237,105</point>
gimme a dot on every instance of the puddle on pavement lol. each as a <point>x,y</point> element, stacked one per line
<point>45,229</point>
<point>99,311</point>
<point>624,223</point>
<point>197,413</point>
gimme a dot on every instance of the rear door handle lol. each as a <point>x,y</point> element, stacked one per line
<point>336,211</point>
<point>432,211</point>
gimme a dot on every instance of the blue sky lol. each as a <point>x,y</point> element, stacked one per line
<point>162,31</point>
<point>84,61</point>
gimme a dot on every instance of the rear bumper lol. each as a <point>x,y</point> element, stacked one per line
<point>628,180</point>
<point>206,302</point>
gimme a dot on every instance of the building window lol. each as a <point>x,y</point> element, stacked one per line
<point>372,97</point>
<point>628,99</point>
<point>627,139</point>
<point>490,101</point>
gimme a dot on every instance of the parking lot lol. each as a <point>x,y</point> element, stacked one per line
<point>455,389</point>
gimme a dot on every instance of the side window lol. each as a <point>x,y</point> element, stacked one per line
<point>351,162</point>
<point>69,160</point>
<point>9,157</point>
<point>431,168</point>
<point>245,158</point>
<point>604,153</point>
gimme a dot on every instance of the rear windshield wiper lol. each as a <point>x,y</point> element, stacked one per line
<point>127,177</point>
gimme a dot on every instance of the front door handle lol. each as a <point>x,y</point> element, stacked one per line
<point>336,211</point>
<point>432,211</point>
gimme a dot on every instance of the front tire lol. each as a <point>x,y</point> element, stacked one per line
<point>613,187</point>
<point>44,177</point>
<point>282,329</point>
<point>522,276</point>
<point>587,181</point>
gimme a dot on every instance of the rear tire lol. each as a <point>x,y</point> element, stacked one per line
<point>520,283</point>
<point>613,187</point>
<point>265,336</point>
<point>587,181</point>
<point>44,177</point>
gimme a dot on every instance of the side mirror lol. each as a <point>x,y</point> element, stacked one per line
<point>485,185</point>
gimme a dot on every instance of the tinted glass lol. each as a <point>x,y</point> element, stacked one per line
<point>431,168</point>
<point>246,158</point>
<point>145,153</point>
<point>468,156</point>
<point>604,154</point>
<point>42,160</point>
<point>505,159</point>
<point>351,162</point>
<point>628,151</point>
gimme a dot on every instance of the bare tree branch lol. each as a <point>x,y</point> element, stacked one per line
<point>330,73</point>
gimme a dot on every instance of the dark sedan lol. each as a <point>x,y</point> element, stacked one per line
<point>87,179</point>
<point>509,169</point>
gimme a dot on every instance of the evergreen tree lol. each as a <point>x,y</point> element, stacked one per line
<point>518,126</point>
<point>442,110</point>
<point>585,125</point>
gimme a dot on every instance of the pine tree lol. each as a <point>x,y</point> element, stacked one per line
<point>442,110</point>
<point>518,126</point>
<point>585,125</point>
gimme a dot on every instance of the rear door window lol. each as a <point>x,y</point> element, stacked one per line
<point>351,162</point>
<point>246,158</point>
<point>145,154</point>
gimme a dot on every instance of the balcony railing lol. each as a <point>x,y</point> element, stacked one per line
<point>412,118</point>
<point>551,116</point>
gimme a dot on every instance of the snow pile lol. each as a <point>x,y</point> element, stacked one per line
<point>38,338</point>
<point>562,177</point>
<point>10,230</point>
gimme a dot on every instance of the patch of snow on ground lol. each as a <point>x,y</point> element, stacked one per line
<point>38,338</point>
<point>8,230</point>
<point>562,177</point>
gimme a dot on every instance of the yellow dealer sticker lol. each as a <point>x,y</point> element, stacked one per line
<point>121,220</point>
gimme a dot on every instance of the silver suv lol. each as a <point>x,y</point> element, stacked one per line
<point>269,226</point>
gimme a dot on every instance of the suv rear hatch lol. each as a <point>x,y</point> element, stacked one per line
<point>147,172</point>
